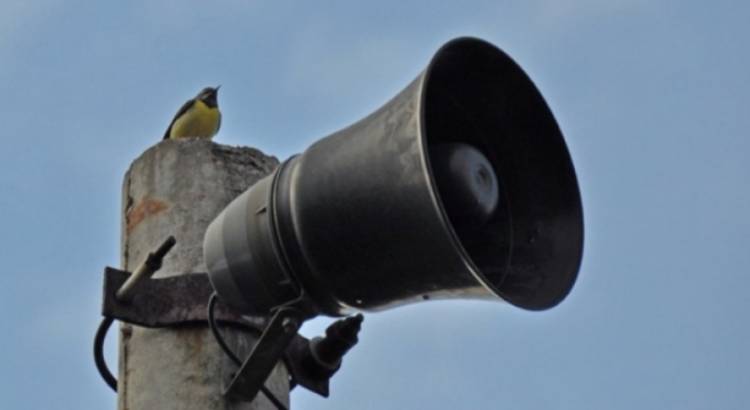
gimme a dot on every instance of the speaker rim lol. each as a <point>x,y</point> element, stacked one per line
<point>437,202</point>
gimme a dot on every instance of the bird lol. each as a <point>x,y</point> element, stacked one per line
<point>199,117</point>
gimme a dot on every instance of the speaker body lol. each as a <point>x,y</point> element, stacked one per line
<point>363,219</point>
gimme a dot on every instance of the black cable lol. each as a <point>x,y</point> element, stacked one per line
<point>214,329</point>
<point>101,364</point>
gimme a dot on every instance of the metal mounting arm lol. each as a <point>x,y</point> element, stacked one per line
<point>269,349</point>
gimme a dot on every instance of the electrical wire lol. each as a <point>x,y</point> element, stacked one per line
<point>101,364</point>
<point>219,339</point>
<point>223,345</point>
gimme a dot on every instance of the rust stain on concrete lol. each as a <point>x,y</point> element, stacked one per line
<point>145,208</point>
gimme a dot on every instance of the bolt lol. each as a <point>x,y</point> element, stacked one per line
<point>289,324</point>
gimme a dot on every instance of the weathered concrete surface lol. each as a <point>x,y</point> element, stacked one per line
<point>177,188</point>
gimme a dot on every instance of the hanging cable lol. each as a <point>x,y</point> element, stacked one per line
<point>101,364</point>
<point>215,331</point>
<point>223,345</point>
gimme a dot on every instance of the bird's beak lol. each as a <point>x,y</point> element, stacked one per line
<point>216,89</point>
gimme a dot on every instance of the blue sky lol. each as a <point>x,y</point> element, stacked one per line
<point>651,95</point>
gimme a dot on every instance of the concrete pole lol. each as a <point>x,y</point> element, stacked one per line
<point>177,188</point>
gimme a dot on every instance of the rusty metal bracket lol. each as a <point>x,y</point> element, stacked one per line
<point>181,300</point>
<point>172,301</point>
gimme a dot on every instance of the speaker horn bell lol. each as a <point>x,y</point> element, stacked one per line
<point>461,186</point>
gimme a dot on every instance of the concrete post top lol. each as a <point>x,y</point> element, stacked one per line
<point>177,187</point>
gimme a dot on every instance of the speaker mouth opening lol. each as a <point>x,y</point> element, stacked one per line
<point>527,250</point>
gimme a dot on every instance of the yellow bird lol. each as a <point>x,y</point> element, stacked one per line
<point>199,117</point>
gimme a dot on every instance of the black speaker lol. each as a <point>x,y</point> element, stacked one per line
<point>461,186</point>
